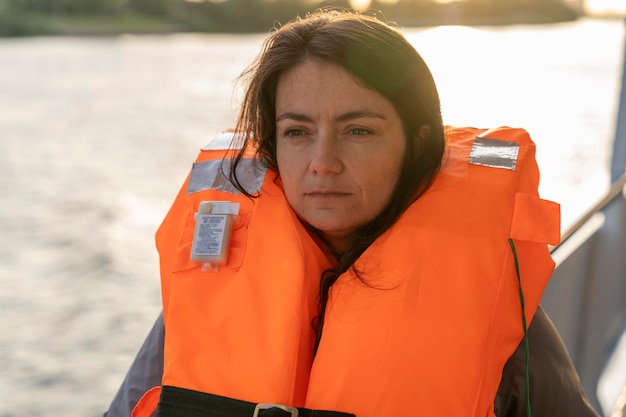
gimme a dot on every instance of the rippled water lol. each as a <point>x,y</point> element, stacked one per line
<point>97,134</point>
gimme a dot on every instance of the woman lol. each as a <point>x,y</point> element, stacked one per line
<point>418,258</point>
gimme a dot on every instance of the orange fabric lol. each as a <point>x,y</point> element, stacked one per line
<point>430,332</point>
<point>528,219</point>
<point>147,403</point>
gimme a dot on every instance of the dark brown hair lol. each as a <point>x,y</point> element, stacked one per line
<point>381,58</point>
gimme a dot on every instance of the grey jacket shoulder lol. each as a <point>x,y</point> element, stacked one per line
<point>145,372</point>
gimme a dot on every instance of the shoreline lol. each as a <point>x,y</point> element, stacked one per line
<point>27,24</point>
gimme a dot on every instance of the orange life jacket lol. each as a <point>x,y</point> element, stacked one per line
<point>428,332</point>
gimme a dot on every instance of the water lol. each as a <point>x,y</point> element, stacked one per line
<point>96,136</point>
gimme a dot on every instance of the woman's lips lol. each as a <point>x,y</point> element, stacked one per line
<point>326,194</point>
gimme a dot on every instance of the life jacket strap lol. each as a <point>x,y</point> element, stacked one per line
<point>179,402</point>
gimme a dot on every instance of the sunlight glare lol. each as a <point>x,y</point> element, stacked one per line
<point>360,4</point>
<point>605,7</point>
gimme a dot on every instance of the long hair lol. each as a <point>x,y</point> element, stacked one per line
<point>381,58</point>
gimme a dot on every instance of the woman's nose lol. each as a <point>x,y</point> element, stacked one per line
<point>325,156</point>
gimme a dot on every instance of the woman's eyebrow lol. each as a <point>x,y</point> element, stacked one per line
<point>358,114</point>
<point>293,116</point>
<point>351,115</point>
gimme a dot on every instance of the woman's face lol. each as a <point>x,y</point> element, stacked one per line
<point>339,149</point>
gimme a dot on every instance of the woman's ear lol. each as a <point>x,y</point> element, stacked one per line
<point>423,132</point>
<point>420,141</point>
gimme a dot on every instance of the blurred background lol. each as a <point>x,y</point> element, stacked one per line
<point>105,103</point>
<point>42,17</point>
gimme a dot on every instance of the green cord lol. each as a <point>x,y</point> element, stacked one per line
<point>526,347</point>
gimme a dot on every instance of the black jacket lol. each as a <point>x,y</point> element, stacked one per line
<point>555,388</point>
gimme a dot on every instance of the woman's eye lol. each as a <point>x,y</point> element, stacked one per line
<point>359,131</point>
<point>294,132</point>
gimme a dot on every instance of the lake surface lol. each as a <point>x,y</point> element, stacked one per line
<point>97,135</point>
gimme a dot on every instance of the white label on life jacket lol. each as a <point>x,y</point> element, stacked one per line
<point>209,236</point>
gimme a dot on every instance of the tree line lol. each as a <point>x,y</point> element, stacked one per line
<point>24,17</point>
